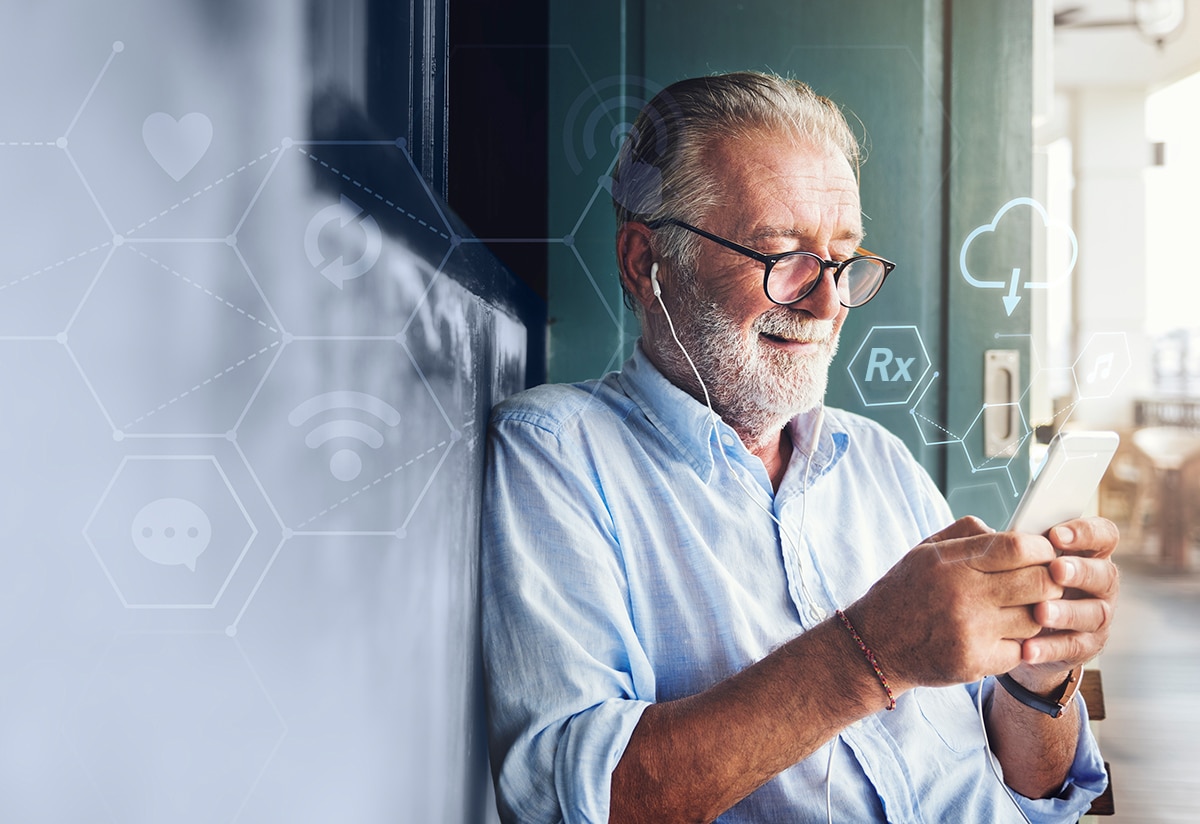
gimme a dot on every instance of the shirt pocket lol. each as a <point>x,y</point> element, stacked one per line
<point>952,714</point>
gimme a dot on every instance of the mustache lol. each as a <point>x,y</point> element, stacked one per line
<point>789,326</point>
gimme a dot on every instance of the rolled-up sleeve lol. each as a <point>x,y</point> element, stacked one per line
<point>1085,781</point>
<point>566,678</point>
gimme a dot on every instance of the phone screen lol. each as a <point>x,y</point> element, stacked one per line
<point>1064,485</point>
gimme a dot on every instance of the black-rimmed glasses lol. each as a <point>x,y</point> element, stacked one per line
<point>789,277</point>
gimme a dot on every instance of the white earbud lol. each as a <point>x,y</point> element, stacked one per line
<point>654,280</point>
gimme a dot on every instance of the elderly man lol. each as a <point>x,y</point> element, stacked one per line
<point>708,596</point>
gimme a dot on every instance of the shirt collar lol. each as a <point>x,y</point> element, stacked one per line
<point>687,423</point>
<point>681,419</point>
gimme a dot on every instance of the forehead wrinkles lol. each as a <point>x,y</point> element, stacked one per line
<point>772,190</point>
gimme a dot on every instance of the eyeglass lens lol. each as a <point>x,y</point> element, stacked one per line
<point>794,276</point>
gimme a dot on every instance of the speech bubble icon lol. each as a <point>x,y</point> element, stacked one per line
<point>171,531</point>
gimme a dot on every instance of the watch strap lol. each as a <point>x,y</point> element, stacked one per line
<point>1054,704</point>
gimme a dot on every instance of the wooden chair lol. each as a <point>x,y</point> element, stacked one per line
<point>1127,492</point>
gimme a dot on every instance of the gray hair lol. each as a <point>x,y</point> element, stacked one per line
<point>660,170</point>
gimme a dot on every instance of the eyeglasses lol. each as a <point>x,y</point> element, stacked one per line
<point>790,276</point>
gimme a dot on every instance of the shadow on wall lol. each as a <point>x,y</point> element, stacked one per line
<point>247,362</point>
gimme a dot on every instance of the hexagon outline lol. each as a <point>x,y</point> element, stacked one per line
<point>1128,365</point>
<point>232,494</point>
<point>916,381</point>
<point>118,432</point>
<point>454,434</point>
<point>1026,434</point>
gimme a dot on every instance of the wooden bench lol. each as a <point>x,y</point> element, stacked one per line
<point>1091,687</point>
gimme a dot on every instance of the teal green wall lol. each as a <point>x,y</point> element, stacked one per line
<point>944,95</point>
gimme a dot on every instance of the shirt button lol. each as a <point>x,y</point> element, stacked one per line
<point>817,615</point>
<point>727,439</point>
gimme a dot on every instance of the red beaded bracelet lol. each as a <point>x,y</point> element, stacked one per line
<point>870,659</point>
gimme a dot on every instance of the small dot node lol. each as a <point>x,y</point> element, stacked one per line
<point>61,337</point>
<point>118,240</point>
<point>288,337</point>
<point>402,533</point>
<point>61,143</point>
<point>231,435</point>
<point>231,630</point>
<point>231,240</point>
<point>288,533</point>
<point>118,46</point>
<point>288,143</point>
<point>569,240</point>
<point>401,143</point>
<point>118,435</point>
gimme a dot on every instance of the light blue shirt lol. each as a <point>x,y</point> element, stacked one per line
<point>623,564</point>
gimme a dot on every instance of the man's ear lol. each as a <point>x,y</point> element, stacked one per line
<point>635,257</point>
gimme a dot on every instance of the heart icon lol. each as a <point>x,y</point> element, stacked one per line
<point>177,145</point>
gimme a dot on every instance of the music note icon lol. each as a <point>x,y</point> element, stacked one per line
<point>1101,368</point>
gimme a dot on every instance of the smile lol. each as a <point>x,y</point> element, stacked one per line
<point>777,339</point>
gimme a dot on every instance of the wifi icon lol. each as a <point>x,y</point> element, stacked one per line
<point>345,464</point>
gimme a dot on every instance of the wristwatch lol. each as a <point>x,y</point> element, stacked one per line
<point>1053,704</point>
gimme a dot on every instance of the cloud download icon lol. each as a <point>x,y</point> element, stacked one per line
<point>1003,279</point>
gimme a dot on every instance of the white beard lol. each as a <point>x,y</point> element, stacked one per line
<point>755,387</point>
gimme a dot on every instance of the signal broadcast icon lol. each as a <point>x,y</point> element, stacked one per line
<point>1010,277</point>
<point>345,464</point>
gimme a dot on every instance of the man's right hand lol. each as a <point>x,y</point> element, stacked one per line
<point>957,606</point>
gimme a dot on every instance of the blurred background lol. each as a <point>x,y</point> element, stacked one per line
<point>268,265</point>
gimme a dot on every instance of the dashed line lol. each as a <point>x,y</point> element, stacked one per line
<point>1066,410</point>
<point>60,263</point>
<point>207,291</point>
<point>200,385</point>
<point>374,483</point>
<point>934,424</point>
<point>207,188</point>
<point>373,193</point>
<point>30,143</point>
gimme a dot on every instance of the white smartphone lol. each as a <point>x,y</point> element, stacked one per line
<point>1065,483</point>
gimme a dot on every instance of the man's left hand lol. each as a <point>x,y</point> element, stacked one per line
<point>1076,627</point>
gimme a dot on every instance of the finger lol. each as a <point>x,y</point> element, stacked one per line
<point>1088,615</point>
<point>1085,536</point>
<point>1097,577</point>
<point>1065,650</point>
<point>1023,587</point>
<point>1017,623</point>
<point>997,551</point>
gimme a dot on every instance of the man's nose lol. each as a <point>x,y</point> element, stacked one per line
<point>822,302</point>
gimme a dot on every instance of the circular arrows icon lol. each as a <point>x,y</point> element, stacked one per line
<point>338,271</point>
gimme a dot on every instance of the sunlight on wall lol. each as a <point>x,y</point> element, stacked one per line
<point>1172,209</point>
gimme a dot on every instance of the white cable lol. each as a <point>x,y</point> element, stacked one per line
<point>712,417</point>
<point>829,781</point>
<point>990,756</point>
<point>812,451</point>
